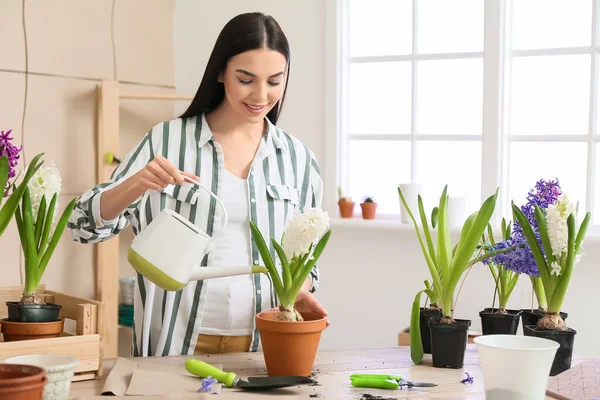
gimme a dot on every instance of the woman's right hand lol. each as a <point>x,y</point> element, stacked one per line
<point>159,173</point>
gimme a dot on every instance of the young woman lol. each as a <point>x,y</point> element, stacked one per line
<point>228,140</point>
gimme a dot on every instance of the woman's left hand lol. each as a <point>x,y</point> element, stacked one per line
<point>307,302</point>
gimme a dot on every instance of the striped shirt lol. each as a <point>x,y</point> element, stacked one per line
<point>284,177</point>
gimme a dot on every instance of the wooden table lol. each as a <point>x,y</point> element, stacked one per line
<point>332,370</point>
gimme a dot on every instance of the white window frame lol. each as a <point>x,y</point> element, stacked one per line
<point>495,138</point>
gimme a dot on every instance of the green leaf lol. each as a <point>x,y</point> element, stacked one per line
<point>558,296</point>
<point>60,227</point>
<point>39,223</point>
<point>434,217</point>
<point>266,256</point>
<point>285,266</point>
<point>303,271</point>
<point>444,244</point>
<point>31,258</point>
<point>503,228</point>
<point>540,216</point>
<point>425,225</point>
<point>430,263</point>
<point>47,225</point>
<point>535,249</point>
<point>3,176</point>
<point>582,231</point>
<point>416,346</point>
<point>11,204</point>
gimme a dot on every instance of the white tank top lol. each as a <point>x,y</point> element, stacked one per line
<point>229,309</point>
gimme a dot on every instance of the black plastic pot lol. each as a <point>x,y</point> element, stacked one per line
<point>564,354</point>
<point>532,317</point>
<point>32,312</point>
<point>426,314</point>
<point>448,342</point>
<point>499,324</point>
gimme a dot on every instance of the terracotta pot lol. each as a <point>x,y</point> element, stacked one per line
<point>21,382</point>
<point>290,348</point>
<point>59,371</point>
<point>14,331</point>
<point>368,210</point>
<point>346,208</point>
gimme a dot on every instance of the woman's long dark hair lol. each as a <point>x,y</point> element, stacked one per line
<point>244,32</point>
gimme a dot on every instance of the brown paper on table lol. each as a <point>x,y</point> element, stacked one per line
<point>148,378</point>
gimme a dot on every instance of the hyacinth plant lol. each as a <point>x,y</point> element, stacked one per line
<point>505,279</point>
<point>9,158</point>
<point>302,243</point>
<point>37,230</point>
<point>555,241</point>
<point>446,263</point>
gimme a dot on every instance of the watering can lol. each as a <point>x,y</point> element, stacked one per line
<point>169,250</point>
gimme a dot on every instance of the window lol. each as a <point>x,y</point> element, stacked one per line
<point>420,101</point>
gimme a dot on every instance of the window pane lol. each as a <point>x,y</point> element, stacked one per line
<point>457,164</point>
<point>450,26</point>
<point>380,98</point>
<point>449,97</point>
<point>380,27</point>
<point>550,95</point>
<point>540,24</point>
<point>530,162</point>
<point>376,169</point>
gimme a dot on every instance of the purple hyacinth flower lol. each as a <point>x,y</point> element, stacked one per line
<point>468,379</point>
<point>207,384</point>
<point>12,153</point>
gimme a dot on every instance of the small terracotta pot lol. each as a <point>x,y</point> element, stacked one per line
<point>14,331</point>
<point>346,208</point>
<point>21,382</point>
<point>290,348</point>
<point>368,210</point>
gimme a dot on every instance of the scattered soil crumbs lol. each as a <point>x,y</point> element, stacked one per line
<point>367,396</point>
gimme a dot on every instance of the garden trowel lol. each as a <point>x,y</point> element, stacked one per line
<point>231,380</point>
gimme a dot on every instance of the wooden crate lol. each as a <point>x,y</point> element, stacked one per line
<point>84,343</point>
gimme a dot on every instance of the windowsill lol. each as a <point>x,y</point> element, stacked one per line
<point>395,224</point>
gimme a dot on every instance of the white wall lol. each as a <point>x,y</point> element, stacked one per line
<point>371,270</point>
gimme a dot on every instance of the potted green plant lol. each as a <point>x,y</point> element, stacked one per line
<point>345,204</point>
<point>290,339</point>
<point>446,265</point>
<point>39,233</point>
<point>500,320</point>
<point>368,207</point>
<point>555,240</point>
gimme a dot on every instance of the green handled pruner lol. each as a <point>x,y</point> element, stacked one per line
<point>385,381</point>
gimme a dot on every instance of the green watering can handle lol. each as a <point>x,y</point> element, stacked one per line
<point>374,383</point>
<point>204,370</point>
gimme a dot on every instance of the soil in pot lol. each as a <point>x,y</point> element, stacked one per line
<point>499,324</point>
<point>21,382</point>
<point>425,315</point>
<point>448,342</point>
<point>14,331</point>
<point>564,354</point>
<point>532,317</point>
<point>32,312</point>
<point>290,348</point>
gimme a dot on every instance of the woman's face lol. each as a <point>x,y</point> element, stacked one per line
<point>254,82</point>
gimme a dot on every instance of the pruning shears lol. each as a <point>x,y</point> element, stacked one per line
<point>385,382</point>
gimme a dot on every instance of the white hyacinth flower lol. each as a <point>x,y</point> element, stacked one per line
<point>44,183</point>
<point>556,217</point>
<point>556,268</point>
<point>303,230</point>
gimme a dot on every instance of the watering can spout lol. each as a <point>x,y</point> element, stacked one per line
<point>209,272</point>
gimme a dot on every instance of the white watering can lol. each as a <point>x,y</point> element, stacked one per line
<point>169,250</point>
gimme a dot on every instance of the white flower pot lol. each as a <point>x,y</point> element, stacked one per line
<point>59,370</point>
<point>515,367</point>
<point>411,192</point>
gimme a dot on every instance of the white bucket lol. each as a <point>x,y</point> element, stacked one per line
<point>59,370</point>
<point>515,367</point>
<point>411,192</point>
